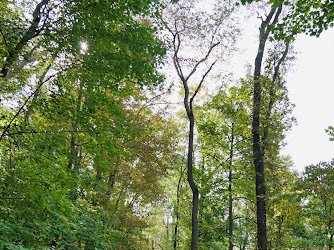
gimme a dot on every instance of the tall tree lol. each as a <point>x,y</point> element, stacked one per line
<point>183,30</point>
<point>260,126</point>
<point>224,134</point>
<point>188,104</point>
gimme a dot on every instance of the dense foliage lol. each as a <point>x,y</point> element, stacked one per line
<point>96,154</point>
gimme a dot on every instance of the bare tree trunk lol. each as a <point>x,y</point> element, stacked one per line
<point>330,245</point>
<point>194,189</point>
<point>230,197</point>
<point>188,105</point>
<point>177,207</point>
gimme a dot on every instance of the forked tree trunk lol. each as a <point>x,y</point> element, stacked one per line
<point>188,105</point>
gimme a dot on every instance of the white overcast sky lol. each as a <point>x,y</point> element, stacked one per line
<point>311,89</point>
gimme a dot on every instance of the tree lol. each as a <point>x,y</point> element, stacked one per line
<point>78,150</point>
<point>317,187</point>
<point>285,219</point>
<point>260,128</point>
<point>55,34</point>
<point>182,27</point>
<point>225,136</point>
<point>188,104</point>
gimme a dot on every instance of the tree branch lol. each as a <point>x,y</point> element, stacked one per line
<point>4,38</point>
<point>201,82</point>
<point>41,82</point>
<point>32,32</point>
<point>202,60</point>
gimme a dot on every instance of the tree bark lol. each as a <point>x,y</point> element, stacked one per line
<point>32,32</point>
<point>177,213</point>
<point>188,105</point>
<point>258,152</point>
<point>194,189</point>
<point>230,197</point>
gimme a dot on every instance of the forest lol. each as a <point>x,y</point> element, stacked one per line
<point>124,125</point>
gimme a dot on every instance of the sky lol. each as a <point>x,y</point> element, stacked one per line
<point>311,89</point>
<point>310,83</point>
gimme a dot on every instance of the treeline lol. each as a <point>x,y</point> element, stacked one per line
<point>96,151</point>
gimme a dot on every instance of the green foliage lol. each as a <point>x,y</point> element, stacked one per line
<point>317,190</point>
<point>80,149</point>
<point>224,131</point>
<point>88,161</point>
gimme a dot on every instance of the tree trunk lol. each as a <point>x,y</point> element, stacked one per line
<point>258,152</point>
<point>330,245</point>
<point>258,155</point>
<point>194,189</point>
<point>177,213</point>
<point>74,160</point>
<point>167,229</point>
<point>230,197</point>
<point>175,230</point>
<point>188,105</point>
<point>32,32</point>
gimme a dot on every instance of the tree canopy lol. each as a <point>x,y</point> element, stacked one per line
<point>122,127</point>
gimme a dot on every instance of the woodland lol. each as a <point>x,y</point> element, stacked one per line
<point>122,126</point>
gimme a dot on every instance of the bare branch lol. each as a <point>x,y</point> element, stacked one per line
<point>202,60</point>
<point>41,82</point>
<point>175,57</point>
<point>202,80</point>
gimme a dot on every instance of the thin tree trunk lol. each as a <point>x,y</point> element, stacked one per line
<point>188,104</point>
<point>111,181</point>
<point>230,212</point>
<point>194,189</point>
<point>177,212</point>
<point>280,234</point>
<point>167,229</point>
<point>330,245</point>
<point>74,160</point>
<point>230,197</point>
<point>175,230</point>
